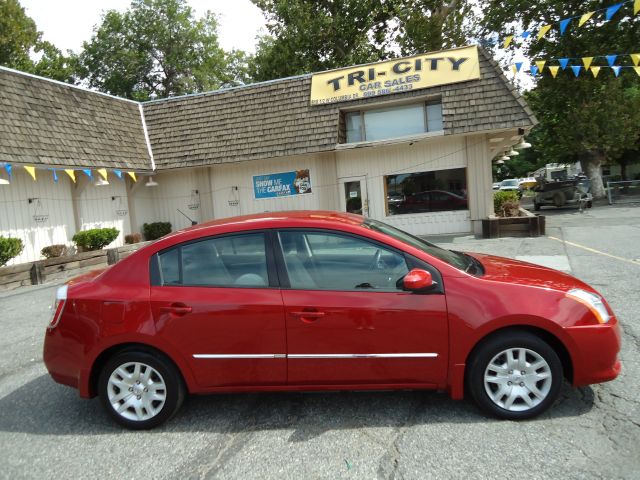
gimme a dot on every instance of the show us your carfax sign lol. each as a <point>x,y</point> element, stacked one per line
<point>283,184</point>
<point>393,76</point>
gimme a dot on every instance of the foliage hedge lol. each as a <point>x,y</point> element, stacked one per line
<point>155,230</point>
<point>505,202</point>
<point>132,238</point>
<point>9,248</point>
<point>53,251</point>
<point>96,238</point>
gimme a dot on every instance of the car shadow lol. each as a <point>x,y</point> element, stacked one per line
<point>43,407</point>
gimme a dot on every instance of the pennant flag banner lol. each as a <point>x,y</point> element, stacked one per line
<point>586,61</point>
<point>576,70</point>
<point>637,69</point>
<point>616,70</point>
<point>611,59</point>
<point>133,176</point>
<point>563,62</point>
<point>540,65</point>
<point>31,171</point>
<point>88,173</point>
<point>585,18</point>
<point>55,175</point>
<point>595,71</point>
<point>118,173</point>
<point>543,31</point>
<point>611,11</point>
<point>518,66</point>
<point>635,57</point>
<point>606,14</point>
<point>534,70</point>
<point>577,64</point>
<point>102,172</point>
<point>71,173</point>
<point>7,167</point>
<point>554,71</point>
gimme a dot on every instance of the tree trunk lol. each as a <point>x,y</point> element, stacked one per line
<point>591,166</point>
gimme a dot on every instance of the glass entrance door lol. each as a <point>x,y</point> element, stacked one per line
<point>354,196</point>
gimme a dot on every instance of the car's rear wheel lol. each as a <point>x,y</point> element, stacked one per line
<point>515,375</point>
<point>140,390</point>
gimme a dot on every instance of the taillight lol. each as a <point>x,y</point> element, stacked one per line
<point>58,306</point>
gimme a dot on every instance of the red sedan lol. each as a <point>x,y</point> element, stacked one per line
<point>324,301</point>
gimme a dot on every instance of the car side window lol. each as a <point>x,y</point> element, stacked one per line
<point>332,261</point>
<point>228,261</point>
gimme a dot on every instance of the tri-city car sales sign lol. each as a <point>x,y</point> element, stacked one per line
<point>393,76</point>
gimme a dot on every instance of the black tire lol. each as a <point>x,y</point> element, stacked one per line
<point>589,204</point>
<point>489,350</point>
<point>174,390</point>
<point>536,206</point>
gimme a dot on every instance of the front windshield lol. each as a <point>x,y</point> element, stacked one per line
<point>509,183</point>
<point>456,259</point>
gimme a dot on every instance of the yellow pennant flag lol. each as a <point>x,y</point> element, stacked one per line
<point>585,18</point>
<point>587,62</point>
<point>637,69</point>
<point>507,41</point>
<point>540,65</point>
<point>636,7</point>
<point>543,31</point>
<point>595,71</point>
<point>71,173</point>
<point>635,57</point>
<point>132,175</point>
<point>102,172</point>
<point>514,69</point>
<point>32,172</point>
<point>554,71</point>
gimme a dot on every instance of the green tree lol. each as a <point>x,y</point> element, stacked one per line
<point>309,36</point>
<point>593,120</point>
<point>20,38</point>
<point>159,47</point>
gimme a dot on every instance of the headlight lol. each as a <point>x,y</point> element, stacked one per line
<point>592,301</point>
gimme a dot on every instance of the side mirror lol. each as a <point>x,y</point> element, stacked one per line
<point>418,279</point>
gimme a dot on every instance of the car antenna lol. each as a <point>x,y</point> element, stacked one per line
<point>193,222</point>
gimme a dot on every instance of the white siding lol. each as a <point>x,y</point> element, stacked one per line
<point>17,214</point>
<point>233,182</point>
<point>427,155</point>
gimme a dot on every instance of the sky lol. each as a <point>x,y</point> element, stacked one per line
<point>67,23</point>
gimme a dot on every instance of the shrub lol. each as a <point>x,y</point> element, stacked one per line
<point>52,251</point>
<point>132,238</point>
<point>9,248</point>
<point>505,202</point>
<point>95,238</point>
<point>155,230</point>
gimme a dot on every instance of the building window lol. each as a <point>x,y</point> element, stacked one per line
<point>392,122</point>
<point>435,191</point>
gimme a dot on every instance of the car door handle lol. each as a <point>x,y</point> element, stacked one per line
<point>308,317</point>
<point>176,309</point>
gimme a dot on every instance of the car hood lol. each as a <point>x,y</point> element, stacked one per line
<point>507,270</point>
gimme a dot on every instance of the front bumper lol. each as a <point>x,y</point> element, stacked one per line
<point>595,355</point>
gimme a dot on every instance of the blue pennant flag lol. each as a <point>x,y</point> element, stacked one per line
<point>563,25</point>
<point>7,167</point>
<point>563,62</point>
<point>576,69</point>
<point>518,66</point>
<point>611,59</point>
<point>118,173</point>
<point>611,11</point>
<point>616,70</point>
<point>88,173</point>
<point>55,175</point>
<point>525,34</point>
<point>534,70</point>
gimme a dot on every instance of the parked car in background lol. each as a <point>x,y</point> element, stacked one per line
<point>510,184</point>
<point>496,185</point>
<point>322,300</point>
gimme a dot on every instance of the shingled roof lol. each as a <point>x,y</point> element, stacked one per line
<point>44,122</point>
<point>275,118</point>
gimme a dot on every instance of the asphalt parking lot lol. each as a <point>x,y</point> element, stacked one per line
<point>47,431</point>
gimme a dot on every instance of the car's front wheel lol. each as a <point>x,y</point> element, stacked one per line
<point>515,375</point>
<point>140,390</point>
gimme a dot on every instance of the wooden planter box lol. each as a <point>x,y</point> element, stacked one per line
<point>526,225</point>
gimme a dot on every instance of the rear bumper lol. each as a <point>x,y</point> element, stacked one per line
<point>595,358</point>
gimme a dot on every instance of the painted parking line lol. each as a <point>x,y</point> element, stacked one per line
<point>593,250</point>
